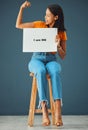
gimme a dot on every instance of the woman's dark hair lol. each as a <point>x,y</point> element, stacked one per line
<point>55,9</point>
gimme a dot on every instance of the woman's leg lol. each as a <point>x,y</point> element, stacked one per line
<point>54,70</point>
<point>46,120</point>
<point>58,115</point>
<point>38,68</point>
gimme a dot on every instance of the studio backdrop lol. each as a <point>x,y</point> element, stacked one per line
<point>15,83</point>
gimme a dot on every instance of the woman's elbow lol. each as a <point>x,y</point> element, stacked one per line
<point>18,26</point>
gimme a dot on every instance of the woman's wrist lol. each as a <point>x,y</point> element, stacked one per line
<point>58,46</point>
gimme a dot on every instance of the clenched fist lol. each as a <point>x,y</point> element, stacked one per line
<point>25,4</point>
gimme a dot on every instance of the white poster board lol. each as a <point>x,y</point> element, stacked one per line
<point>39,39</point>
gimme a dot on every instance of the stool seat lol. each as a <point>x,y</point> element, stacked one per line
<point>32,109</point>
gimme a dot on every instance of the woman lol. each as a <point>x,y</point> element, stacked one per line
<point>42,63</point>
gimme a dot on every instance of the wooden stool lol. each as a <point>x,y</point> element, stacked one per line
<point>32,109</point>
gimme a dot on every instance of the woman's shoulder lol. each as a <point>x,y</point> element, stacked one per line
<point>39,24</point>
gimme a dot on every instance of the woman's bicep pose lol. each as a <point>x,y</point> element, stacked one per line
<point>19,23</point>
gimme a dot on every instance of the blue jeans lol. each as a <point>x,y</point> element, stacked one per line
<point>40,65</point>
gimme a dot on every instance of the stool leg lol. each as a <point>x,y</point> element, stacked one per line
<point>32,102</point>
<point>51,101</point>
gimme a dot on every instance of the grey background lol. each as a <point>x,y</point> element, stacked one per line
<point>15,83</point>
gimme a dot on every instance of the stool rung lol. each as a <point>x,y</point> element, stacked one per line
<point>40,111</point>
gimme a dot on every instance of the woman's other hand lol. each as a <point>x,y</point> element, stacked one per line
<point>57,40</point>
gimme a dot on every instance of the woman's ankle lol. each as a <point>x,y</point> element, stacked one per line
<point>58,107</point>
<point>58,102</point>
<point>43,105</point>
<point>58,115</point>
<point>46,120</point>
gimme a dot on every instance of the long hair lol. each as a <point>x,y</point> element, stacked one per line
<point>55,9</point>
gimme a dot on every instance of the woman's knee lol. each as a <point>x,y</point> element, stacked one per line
<point>37,68</point>
<point>54,68</point>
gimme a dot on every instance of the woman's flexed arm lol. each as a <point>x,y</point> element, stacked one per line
<point>19,23</point>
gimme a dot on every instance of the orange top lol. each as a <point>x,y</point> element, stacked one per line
<point>41,24</point>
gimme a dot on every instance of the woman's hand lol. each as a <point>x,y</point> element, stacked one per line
<point>61,46</point>
<point>25,4</point>
<point>57,40</point>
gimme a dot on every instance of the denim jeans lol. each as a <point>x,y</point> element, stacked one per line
<point>42,63</point>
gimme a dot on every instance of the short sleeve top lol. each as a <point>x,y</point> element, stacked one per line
<point>41,24</point>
